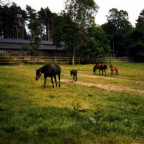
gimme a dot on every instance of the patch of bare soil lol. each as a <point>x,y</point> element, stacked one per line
<point>104,86</point>
<point>109,78</point>
<point>95,76</point>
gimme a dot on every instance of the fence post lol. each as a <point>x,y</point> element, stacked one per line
<point>28,60</point>
<point>110,59</point>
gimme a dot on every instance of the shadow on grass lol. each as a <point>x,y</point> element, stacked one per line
<point>41,125</point>
<point>33,124</point>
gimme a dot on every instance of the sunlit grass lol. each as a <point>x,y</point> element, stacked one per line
<point>31,114</point>
<point>130,75</point>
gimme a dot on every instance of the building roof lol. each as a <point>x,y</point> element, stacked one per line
<point>16,44</point>
<point>10,47</point>
<point>18,41</point>
<point>47,42</point>
<point>21,41</point>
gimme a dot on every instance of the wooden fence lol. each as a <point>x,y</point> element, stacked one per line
<point>61,60</point>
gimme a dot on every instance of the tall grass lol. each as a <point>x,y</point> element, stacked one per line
<point>69,114</point>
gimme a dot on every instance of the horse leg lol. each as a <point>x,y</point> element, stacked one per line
<point>99,71</point>
<point>59,79</point>
<point>55,80</point>
<point>105,72</point>
<point>95,72</point>
<point>52,81</point>
<point>76,77</point>
<point>111,72</point>
<point>73,78</point>
<point>45,81</point>
<point>102,71</point>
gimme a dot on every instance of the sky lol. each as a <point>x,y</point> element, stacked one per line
<point>133,7</point>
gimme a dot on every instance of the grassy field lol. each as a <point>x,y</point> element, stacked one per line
<point>73,113</point>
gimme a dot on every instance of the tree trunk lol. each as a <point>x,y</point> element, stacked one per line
<point>22,35</point>
<point>5,30</point>
<point>73,58</point>
<point>16,30</point>
<point>48,31</point>
<point>113,45</point>
<point>56,51</point>
<point>41,32</point>
<point>7,27</point>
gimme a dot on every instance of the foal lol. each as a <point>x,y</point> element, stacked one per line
<point>113,69</point>
<point>74,73</point>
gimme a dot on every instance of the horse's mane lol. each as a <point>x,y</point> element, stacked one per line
<point>43,67</point>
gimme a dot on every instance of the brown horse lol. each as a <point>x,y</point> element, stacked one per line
<point>113,69</point>
<point>101,67</point>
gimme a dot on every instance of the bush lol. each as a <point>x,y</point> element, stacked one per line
<point>137,51</point>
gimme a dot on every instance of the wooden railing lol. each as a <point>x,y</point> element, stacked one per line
<point>60,60</point>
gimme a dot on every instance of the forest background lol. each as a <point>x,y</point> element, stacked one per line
<point>75,27</point>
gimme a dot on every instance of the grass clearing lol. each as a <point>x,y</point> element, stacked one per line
<point>72,113</point>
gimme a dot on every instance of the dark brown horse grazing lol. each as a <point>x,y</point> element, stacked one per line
<point>101,67</point>
<point>113,69</point>
<point>49,70</point>
<point>97,66</point>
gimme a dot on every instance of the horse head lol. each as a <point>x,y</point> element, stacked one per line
<point>71,73</point>
<point>94,68</point>
<point>38,74</point>
<point>110,66</point>
<point>105,66</point>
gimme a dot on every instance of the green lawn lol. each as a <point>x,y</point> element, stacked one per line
<point>71,114</point>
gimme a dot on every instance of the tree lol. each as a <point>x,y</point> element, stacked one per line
<point>33,21</point>
<point>81,11</point>
<point>4,17</point>
<point>141,17</point>
<point>117,26</point>
<point>66,32</point>
<point>41,18</point>
<point>81,15</point>
<point>46,17</point>
<point>118,18</point>
<point>58,31</point>
<point>18,18</point>
<point>48,22</point>
<point>110,29</point>
<point>34,26</point>
<point>135,39</point>
<point>99,44</point>
<point>12,21</point>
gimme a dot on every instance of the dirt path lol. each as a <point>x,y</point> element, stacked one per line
<point>107,87</point>
<point>109,78</point>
